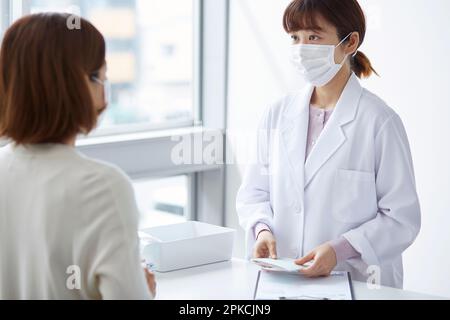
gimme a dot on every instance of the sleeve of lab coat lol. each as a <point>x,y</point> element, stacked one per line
<point>253,198</point>
<point>398,220</point>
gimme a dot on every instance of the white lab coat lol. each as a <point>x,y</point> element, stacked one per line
<point>68,227</point>
<point>358,182</point>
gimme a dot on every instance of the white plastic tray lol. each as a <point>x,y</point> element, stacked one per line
<point>185,245</point>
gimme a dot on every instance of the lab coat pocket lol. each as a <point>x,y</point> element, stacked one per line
<point>354,197</point>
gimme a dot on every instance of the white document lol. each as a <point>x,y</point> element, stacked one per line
<point>284,264</point>
<point>294,286</point>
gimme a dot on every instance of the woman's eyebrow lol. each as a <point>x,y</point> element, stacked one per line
<point>314,29</point>
<point>317,30</point>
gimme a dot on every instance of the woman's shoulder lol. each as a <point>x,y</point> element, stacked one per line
<point>375,108</point>
<point>97,171</point>
<point>109,185</point>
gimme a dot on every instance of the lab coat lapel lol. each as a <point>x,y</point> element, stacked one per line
<point>294,135</point>
<point>333,136</point>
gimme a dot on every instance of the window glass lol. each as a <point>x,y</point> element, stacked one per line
<point>150,59</point>
<point>162,201</point>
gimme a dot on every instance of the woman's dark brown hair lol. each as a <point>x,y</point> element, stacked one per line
<point>346,15</point>
<point>44,64</point>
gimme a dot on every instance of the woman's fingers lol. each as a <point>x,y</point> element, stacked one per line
<point>312,271</point>
<point>324,262</point>
<point>151,282</point>
<point>261,252</point>
<point>258,254</point>
<point>317,269</point>
<point>305,259</point>
<point>265,246</point>
<point>272,249</point>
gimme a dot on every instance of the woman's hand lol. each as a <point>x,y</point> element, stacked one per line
<point>265,245</point>
<point>324,258</point>
<point>151,282</point>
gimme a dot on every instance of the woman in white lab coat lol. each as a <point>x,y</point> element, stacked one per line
<point>68,224</point>
<point>332,181</point>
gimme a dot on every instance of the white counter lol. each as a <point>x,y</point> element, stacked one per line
<point>236,279</point>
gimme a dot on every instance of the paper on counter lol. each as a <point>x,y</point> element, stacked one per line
<point>283,264</point>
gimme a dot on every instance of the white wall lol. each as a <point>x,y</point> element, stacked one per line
<point>408,42</point>
<point>259,73</point>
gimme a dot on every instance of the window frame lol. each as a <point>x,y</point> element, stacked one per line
<point>206,181</point>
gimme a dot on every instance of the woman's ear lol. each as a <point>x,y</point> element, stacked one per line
<point>353,43</point>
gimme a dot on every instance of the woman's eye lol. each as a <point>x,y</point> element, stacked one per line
<point>313,38</point>
<point>295,38</point>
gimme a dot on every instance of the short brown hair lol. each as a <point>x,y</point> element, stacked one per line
<point>346,15</point>
<point>44,97</point>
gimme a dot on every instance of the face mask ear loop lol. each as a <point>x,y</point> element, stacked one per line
<point>343,40</point>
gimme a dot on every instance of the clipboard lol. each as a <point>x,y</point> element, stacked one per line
<point>276,285</point>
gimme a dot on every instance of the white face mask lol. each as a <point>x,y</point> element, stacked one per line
<point>106,89</point>
<point>316,62</point>
<point>106,96</point>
